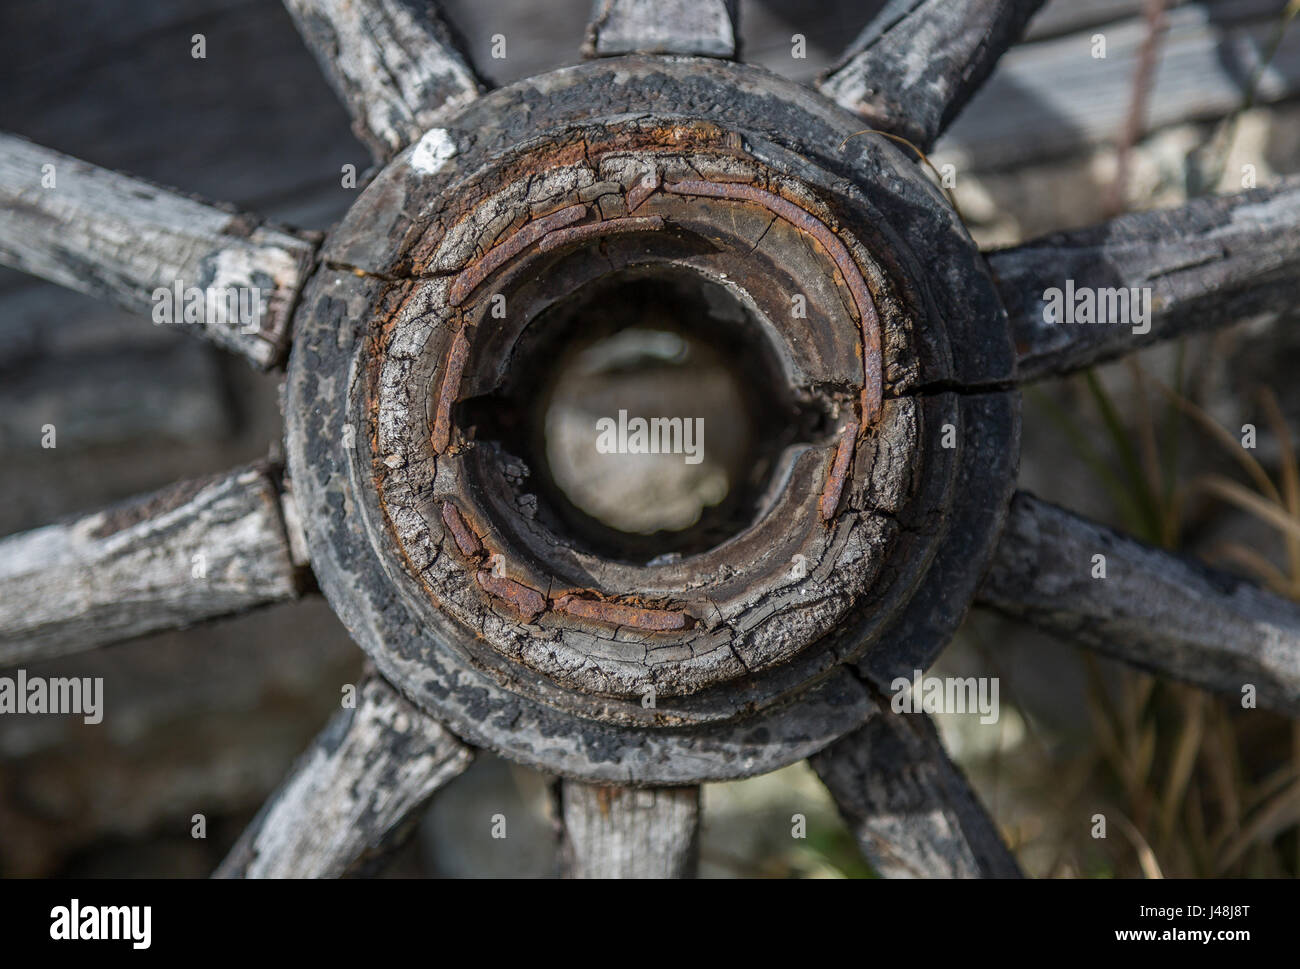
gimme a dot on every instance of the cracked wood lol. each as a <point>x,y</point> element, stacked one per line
<point>912,811</point>
<point>1156,610</point>
<point>918,62</point>
<point>622,832</point>
<point>353,794</point>
<point>121,239</point>
<point>194,551</point>
<point>1209,263</point>
<point>394,64</point>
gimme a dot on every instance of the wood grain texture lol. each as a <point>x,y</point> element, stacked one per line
<point>1209,263</point>
<point>1156,610</point>
<point>1054,97</point>
<point>123,239</point>
<point>394,64</point>
<point>918,62</point>
<point>701,27</point>
<point>197,550</point>
<point>350,796</point>
<point>621,832</point>
<point>910,808</point>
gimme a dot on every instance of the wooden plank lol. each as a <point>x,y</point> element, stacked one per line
<point>1054,97</point>
<point>394,64</point>
<point>918,62</point>
<point>352,794</point>
<point>99,377</point>
<point>623,832</point>
<point>125,240</point>
<point>699,27</point>
<point>1209,263</point>
<point>909,806</point>
<point>1156,610</point>
<point>194,551</point>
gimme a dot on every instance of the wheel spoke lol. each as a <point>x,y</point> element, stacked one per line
<point>703,27</point>
<point>1209,263</point>
<point>191,552</point>
<point>623,832</point>
<point>1153,609</point>
<point>351,795</point>
<point>199,267</point>
<point>393,63</point>
<point>914,67</point>
<point>908,804</point>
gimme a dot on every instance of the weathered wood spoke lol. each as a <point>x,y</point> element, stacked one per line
<point>914,67</point>
<point>1156,610</point>
<point>703,27</point>
<point>194,551</point>
<point>911,809</point>
<point>623,832</point>
<point>394,64</point>
<point>216,273</point>
<point>1206,264</point>
<point>352,794</point>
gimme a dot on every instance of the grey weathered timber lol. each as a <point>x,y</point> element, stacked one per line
<point>703,27</point>
<point>150,249</point>
<point>351,794</point>
<point>1209,263</point>
<point>1052,97</point>
<point>621,832</point>
<point>394,63</point>
<point>918,62</point>
<point>194,551</point>
<point>910,808</point>
<point>1156,610</point>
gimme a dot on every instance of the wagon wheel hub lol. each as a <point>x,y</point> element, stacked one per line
<point>454,286</point>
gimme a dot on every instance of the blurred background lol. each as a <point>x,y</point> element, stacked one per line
<point>206,721</point>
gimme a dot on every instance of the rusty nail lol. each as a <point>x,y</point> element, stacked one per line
<point>529,603</point>
<point>451,374</point>
<point>466,540</point>
<point>498,255</point>
<point>618,614</point>
<point>830,500</point>
<point>869,322</point>
<point>577,233</point>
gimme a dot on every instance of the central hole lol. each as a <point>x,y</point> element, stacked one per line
<point>652,412</point>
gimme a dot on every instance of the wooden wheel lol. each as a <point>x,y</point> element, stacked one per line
<point>417,335</point>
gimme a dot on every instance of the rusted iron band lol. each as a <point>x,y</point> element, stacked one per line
<point>529,603</point>
<point>869,321</point>
<point>466,540</point>
<point>577,233</point>
<point>452,369</point>
<point>834,488</point>
<point>618,614</point>
<point>472,275</point>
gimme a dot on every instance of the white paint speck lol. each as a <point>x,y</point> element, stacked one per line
<point>433,151</point>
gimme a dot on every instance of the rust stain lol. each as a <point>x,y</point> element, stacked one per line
<point>869,321</point>
<point>577,233</point>
<point>474,274</point>
<point>452,369</point>
<point>831,492</point>
<point>466,540</point>
<point>618,614</point>
<point>529,603</point>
